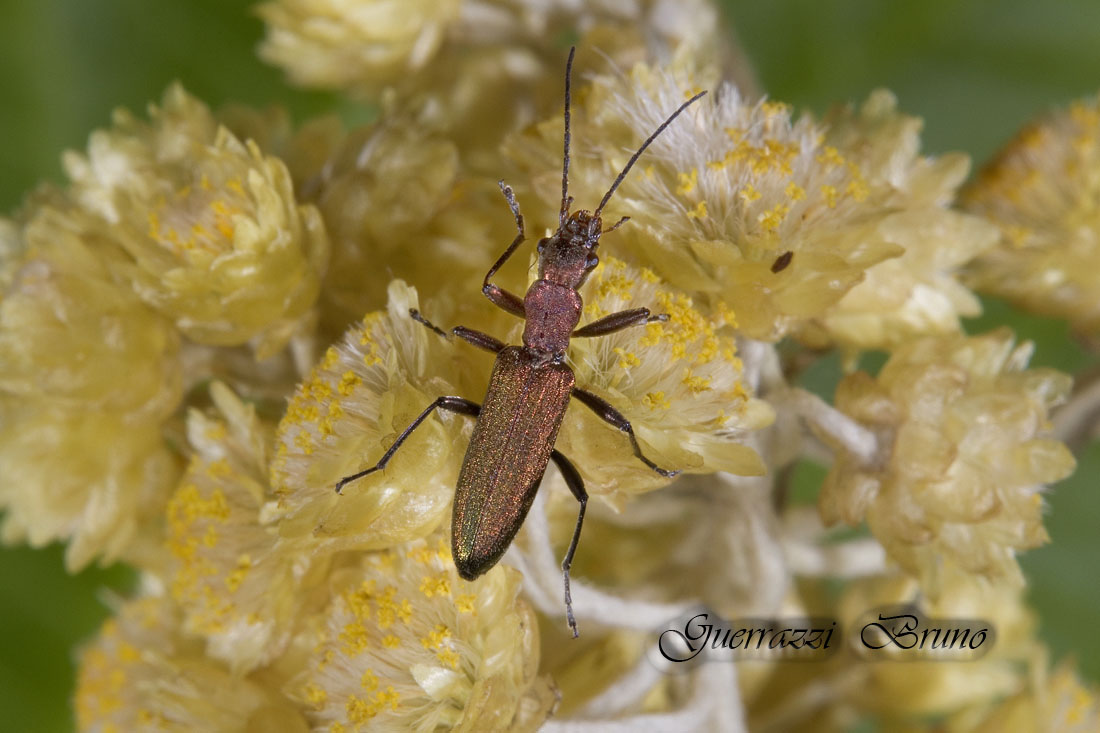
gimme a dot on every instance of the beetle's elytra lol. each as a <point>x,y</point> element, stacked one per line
<point>529,390</point>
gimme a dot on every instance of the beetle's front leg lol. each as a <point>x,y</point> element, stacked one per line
<point>469,335</point>
<point>451,404</point>
<point>499,296</point>
<point>618,321</point>
<point>609,414</point>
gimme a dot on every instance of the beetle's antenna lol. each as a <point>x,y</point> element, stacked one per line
<point>565,158</point>
<point>634,158</point>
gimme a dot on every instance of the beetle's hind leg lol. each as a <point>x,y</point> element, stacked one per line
<point>609,414</point>
<point>576,485</point>
<point>451,404</point>
<point>469,335</point>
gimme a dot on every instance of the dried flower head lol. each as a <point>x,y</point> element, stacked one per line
<point>216,239</point>
<point>364,392</point>
<point>141,673</point>
<point>1043,193</point>
<point>918,293</point>
<point>405,644</point>
<point>678,382</point>
<point>961,426</point>
<point>93,479</point>
<point>70,336</point>
<point>237,583</point>
<point>724,192</point>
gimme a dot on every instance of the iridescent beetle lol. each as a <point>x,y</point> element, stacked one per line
<point>530,388</point>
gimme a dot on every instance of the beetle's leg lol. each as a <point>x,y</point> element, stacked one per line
<point>499,296</point>
<point>576,485</point>
<point>469,335</point>
<point>416,316</point>
<point>479,339</point>
<point>451,404</point>
<point>608,413</point>
<point>618,321</point>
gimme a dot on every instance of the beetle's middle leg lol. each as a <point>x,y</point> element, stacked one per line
<point>469,335</point>
<point>451,404</point>
<point>618,321</point>
<point>576,484</point>
<point>609,414</point>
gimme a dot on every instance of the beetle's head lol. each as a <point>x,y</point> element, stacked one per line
<point>569,254</point>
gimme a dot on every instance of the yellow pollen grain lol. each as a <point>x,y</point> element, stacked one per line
<point>465,603</point>
<point>749,193</point>
<point>774,109</point>
<point>369,680</point>
<point>355,638</point>
<point>699,212</point>
<point>627,359</point>
<point>858,190</point>
<point>315,695</point>
<point>390,641</point>
<point>687,182</point>
<point>830,194</point>
<point>656,400</point>
<point>304,441</point>
<point>435,586</point>
<point>795,192</point>
<point>695,383</point>
<point>348,382</point>
<point>650,276</point>
<point>330,359</point>
<point>448,657</point>
<point>830,156</point>
<point>771,219</point>
<point>436,637</point>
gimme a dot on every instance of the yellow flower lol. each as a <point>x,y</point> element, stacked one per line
<point>341,45</point>
<point>141,673</point>
<point>678,382</point>
<point>71,336</point>
<point>216,239</point>
<point>918,293</point>
<point>1043,193</point>
<point>723,193</point>
<point>893,683</point>
<point>962,455</point>
<point>237,583</point>
<point>405,644</point>
<point>95,479</point>
<point>364,392</point>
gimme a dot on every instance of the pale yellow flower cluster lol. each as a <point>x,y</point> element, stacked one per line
<point>964,453</point>
<point>174,237</point>
<point>1043,193</point>
<point>730,191</point>
<point>211,324</point>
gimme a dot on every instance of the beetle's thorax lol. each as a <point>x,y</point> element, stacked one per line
<point>553,311</point>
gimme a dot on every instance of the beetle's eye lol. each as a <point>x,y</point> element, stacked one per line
<point>591,262</point>
<point>540,246</point>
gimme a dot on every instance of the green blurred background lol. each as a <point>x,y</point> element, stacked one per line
<point>975,70</point>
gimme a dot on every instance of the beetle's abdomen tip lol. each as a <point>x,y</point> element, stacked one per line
<point>469,568</point>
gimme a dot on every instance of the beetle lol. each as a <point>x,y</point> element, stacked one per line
<point>531,385</point>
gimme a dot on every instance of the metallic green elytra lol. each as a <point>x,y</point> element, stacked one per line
<point>508,453</point>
